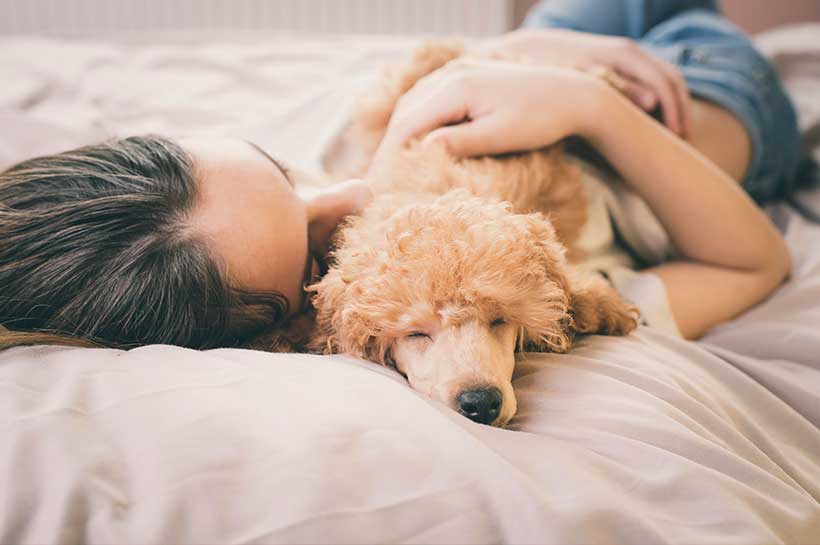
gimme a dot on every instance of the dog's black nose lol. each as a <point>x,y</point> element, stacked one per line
<point>481,406</point>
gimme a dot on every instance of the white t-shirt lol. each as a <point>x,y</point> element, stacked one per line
<point>617,220</point>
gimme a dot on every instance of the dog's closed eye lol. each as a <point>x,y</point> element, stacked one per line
<point>498,321</point>
<point>418,335</point>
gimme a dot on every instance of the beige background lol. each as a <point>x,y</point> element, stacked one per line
<point>102,18</point>
<point>751,15</point>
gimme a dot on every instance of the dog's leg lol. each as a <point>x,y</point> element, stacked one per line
<point>596,307</point>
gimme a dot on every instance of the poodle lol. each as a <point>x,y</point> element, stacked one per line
<point>458,264</point>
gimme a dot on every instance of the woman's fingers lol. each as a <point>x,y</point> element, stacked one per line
<point>657,75</point>
<point>468,139</point>
<point>648,74</point>
<point>654,82</point>
<point>641,95</point>
<point>336,202</point>
<point>634,90</point>
<point>418,112</point>
<point>682,92</point>
<point>425,107</point>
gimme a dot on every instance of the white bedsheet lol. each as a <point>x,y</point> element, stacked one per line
<point>646,439</point>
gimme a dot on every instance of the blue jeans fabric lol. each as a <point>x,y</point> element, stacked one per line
<point>718,61</point>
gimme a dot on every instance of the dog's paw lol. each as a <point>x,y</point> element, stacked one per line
<point>619,319</point>
<point>597,308</point>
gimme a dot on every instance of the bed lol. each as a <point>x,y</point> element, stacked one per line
<point>644,439</point>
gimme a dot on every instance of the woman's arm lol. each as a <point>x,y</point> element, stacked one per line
<point>731,256</point>
<point>646,80</point>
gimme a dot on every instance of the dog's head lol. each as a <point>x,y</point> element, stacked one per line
<point>445,288</point>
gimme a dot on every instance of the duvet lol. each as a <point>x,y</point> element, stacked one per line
<point>644,439</point>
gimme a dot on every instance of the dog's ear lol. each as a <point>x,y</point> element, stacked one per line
<point>341,326</point>
<point>596,307</point>
<point>580,304</point>
<point>547,326</point>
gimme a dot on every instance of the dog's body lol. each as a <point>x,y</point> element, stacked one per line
<point>538,181</point>
<point>455,265</point>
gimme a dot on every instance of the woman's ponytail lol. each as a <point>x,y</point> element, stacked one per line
<point>11,339</point>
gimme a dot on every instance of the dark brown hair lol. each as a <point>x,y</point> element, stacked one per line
<point>94,249</point>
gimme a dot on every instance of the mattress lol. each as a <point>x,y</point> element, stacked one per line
<point>642,439</point>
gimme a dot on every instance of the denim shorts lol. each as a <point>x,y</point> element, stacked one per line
<point>720,64</point>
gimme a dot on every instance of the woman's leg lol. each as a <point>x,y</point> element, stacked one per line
<point>720,135</point>
<point>631,18</point>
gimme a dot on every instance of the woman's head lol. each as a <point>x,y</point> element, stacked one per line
<point>143,240</point>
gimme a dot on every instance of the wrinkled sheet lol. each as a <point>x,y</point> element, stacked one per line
<point>644,439</point>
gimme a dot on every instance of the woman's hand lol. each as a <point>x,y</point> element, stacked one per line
<point>645,80</point>
<point>329,206</point>
<point>482,107</point>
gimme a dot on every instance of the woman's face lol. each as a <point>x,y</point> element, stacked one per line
<point>270,236</point>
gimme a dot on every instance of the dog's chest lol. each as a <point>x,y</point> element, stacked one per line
<point>621,230</point>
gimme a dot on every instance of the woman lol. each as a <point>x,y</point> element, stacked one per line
<point>203,243</point>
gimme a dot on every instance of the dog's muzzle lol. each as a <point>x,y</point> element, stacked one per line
<point>482,405</point>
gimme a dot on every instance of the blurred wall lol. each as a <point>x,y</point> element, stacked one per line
<point>470,17</point>
<point>119,17</point>
<point>756,15</point>
<point>751,15</point>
